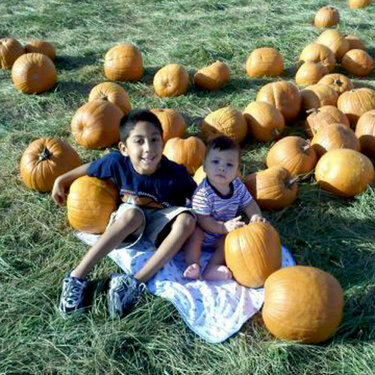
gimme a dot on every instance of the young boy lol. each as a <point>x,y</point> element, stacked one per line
<point>153,190</point>
<point>217,201</point>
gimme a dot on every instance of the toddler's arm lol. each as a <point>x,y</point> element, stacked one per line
<point>209,224</point>
<point>253,212</point>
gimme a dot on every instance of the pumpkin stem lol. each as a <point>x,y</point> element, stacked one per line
<point>45,154</point>
<point>338,82</point>
<point>306,146</point>
<point>291,181</point>
<point>275,132</point>
<point>104,97</point>
<point>312,110</point>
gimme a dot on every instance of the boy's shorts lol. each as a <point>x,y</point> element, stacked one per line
<point>154,221</point>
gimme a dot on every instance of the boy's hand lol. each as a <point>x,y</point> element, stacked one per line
<point>58,192</point>
<point>233,224</point>
<point>257,219</point>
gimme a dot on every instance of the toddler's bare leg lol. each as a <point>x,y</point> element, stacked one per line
<point>182,227</point>
<point>192,250</point>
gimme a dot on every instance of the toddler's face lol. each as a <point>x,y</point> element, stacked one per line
<point>144,147</point>
<point>221,166</point>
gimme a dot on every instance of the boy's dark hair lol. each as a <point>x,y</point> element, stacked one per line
<point>222,143</point>
<point>129,121</point>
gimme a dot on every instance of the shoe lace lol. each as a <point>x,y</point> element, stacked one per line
<point>73,291</point>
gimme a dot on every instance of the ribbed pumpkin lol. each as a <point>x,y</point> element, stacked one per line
<point>318,95</point>
<point>339,82</point>
<point>272,188</point>
<point>302,303</point>
<point>293,153</point>
<point>355,42</point>
<point>90,203</point>
<point>172,122</point>
<point>365,131</point>
<point>41,46</point>
<point>113,93</point>
<point>212,77</point>
<point>188,152</point>
<point>44,160</point>
<point>332,137</point>
<point>200,174</point>
<point>265,122</point>
<point>10,50</point>
<point>357,62</point>
<point>227,121</point>
<point>123,63</point>
<point>356,102</point>
<point>33,73</point>
<point>323,117</point>
<point>252,253</point>
<point>356,4</point>
<point>326,17</point>
<point>318,53</point>
<point>283,95</point>
<point>97,124</point>
<point>335,41</point>
<point>264,62</point>
<point>310,73</point>
<point>344,172</point>
<point>171,80</point>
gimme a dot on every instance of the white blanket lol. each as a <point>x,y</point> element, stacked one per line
<point>214,310</point>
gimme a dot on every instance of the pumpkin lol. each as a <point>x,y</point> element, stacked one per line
<point>355,42</point>
<point>323,117</point>
<point>172,122</point>
<point>283,95</point>
<point>171,80</point>
<point>356,4</point>
<point>212,77</point>
<point>335,41</point>
<point>112,92</point>
<point>272,188</point>
<point>41,46</point>
<point>97,124</point>
<point>326,17</point>
<point>264,62</point>
<point>334,136</point>
<point>44,160</point>
<point>10,50</point>
<point>344,172</point>
<point>365,131</point>
<point>339,82</point>
<point>356,102</point>
<point>302,303</point>
<point>227,121</point>
<point>294,154</point>
<point>188,152</point>
<point>123,63</point>
<point>310,73</point>
<point>264,121</point>
<point>318,95</point>
<point>90,203</point>
<point>357,62</point>
<point>33,73</point>
<point>318,53</point>
<point>200,174</point>
<point>252,253</point>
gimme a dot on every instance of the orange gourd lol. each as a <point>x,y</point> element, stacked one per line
<point>326,17</point>
<point>310,73</point>
<point>212,77</point>
<point>41,46</point>
<point>357,62</point>
<point>318,53</point>
<point>355,42</point>
<point>335,41</point>
<point>357,4</point>
<point>264,62</point>
<point>365,131</point>
<point>339,82</point>
<point>10,50</point>
<point>317,95</point>
<point>172,122</point>
<point>171,80</point>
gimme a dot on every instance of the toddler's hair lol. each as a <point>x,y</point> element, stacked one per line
<point>222,143</point>
<point>129,122</point>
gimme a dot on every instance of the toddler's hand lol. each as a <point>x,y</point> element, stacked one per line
<point>233,224</point>
<point>257,219</point>
<point>58,193</point>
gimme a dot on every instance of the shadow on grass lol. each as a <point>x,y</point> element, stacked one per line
<point>69,87</point>
<point>65,62</point>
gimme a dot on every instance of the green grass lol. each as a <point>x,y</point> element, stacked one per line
<point>37,246</point>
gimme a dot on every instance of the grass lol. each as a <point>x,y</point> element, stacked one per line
<point>37,246</point>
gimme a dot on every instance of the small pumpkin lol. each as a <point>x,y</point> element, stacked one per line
<point>339,82</point>
<point>326,17</point>
<point>90,203</point>
<point>264,62</point>
<point>172,122</point>
<point>41,46</point>
<point>171,80</point>
<point>113,93</point>
<point>335,41</point>
<point>10,50</point>
<point>33,73</point>
<point>123,63</point>
<point>357,4</point>
<point>310,73</point>
<point>44,160</point>
<point>188,152</point>
<point>318,53</point>
<point>357,62</point>
<point>344,172</point>
<point>302,303</point>
<point>317,95</point>
<point>355,42</point>
<point>365,131</point>
<point>212,77</point>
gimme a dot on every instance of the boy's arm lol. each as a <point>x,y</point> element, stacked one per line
<point>209,224</point>
<point>253,212</point>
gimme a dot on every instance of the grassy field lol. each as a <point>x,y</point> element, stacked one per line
<point>37,246</point>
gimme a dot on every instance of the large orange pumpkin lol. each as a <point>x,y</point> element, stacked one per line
<point>33,73</point>
<point>318,53</point>
<point>355,42</point>
<point>123,63</point>
<point>317,95</point>
<point>172,122</point>
<point>357,62</point>
<point>302,303</point>
<point>339,82</point>
<point>188,152</point>
<point>252,253</point>
<point>356,4</point>
<point>264,62</point>
<point>335,41</point>
<point>90,203</point>
<point>41,46</point>
<point>227,121</point>
<point>212,77</point>
<point>326,17</point>
<point>344,172</point>
<point>97,124</point>
<point>365,131</point>
<point>44,160</point>
<point>310,73</point>
<point>171,80</point>
<point>10,50</point>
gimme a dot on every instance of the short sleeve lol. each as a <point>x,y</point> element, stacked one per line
<point>201,204</point>
<point>245,196</point>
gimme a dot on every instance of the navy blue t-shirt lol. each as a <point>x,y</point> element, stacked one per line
<point>170,185</point>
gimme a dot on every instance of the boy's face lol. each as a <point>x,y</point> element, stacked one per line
<point>144,146</point>
<point>221,166</point>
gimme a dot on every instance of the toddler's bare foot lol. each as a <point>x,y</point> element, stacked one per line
<point>193,271</point>
<point>219,272</point>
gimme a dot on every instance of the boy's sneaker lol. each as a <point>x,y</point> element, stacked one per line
<point>124,291</point>
<point>72,295</point>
